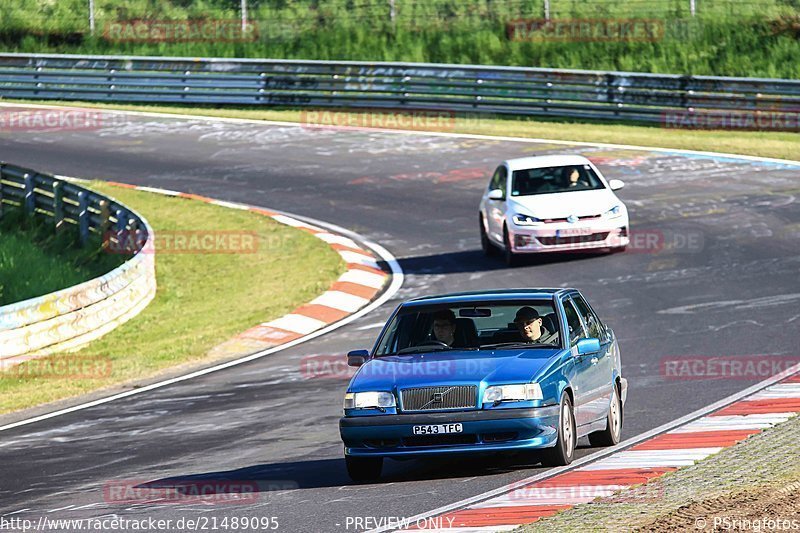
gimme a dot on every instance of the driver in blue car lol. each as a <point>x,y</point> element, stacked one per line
<point>444,326</point>
<point>529,324</point>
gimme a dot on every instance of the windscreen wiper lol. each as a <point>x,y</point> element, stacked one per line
<point>517,345</point>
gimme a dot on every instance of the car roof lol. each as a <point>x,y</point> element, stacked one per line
<point>522,163</point>
<point>488,296</point>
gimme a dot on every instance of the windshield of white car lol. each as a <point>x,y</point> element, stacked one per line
<point>532,324</point>
<point>549,180</point>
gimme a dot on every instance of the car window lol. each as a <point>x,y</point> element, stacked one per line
<point>573,322</point>
<point>499,179</point>
<point>548,180</point>
<point>593,326</point>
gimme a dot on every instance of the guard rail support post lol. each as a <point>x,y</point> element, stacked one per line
<point>1,189</point>
<point>29,201</point>
<point>58,206</point>
<point>105,217</point>
<point>83,217</point>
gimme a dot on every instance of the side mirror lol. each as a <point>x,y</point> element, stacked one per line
<point>496,194</point>
<point>616,184</point>
<point>358,357</point>
<point>587,346</point>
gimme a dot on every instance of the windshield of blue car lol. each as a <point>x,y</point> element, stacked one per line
<point>490,326</point>
<point>549,180</point>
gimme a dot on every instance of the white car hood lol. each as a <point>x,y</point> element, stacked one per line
<point>564,204</point>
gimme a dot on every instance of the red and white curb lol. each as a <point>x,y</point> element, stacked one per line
<point>354,289</point>
<point>687,442</point>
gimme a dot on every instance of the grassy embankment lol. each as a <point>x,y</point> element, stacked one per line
<point>755,39</point>
<point>193,310</point>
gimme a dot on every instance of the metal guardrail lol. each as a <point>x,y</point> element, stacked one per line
<point>69,318</point>
<point>619,96</point>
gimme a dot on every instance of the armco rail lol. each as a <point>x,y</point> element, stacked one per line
<point>69,318</point>
<point>624,96</point>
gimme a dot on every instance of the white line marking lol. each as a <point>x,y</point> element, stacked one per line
<point>231,205</point>
<point>157,190</point>
<point>341,301</point>
<point>295,223</point>
<point>330,238</point>
<point>391,290</point>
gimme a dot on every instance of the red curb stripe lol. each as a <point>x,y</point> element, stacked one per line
<point>355,289</point>
<point>343,248</point>
<point>621,476</point>
<point>792,379</point>
<point>269,334</point>
<point>498,516</point>
<point>191,196</point>
<point>357,266</point>
<point>123,185</point>
<point>752,407</point>
<point>700,439</point>
<point>321,312</point>
<point>262,212</point>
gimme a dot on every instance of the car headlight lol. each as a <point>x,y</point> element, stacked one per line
<point>513,393</point>
<point>614,212</point>
<point>369,400</point>
<point>525,220</point>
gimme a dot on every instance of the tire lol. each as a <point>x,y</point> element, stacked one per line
<point>564,451</point>
<point>363,468</point>
<point>509,256</point>
<point>486,245</point>
<point>611,435</point>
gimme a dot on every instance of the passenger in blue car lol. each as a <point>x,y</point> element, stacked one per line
<point>530,327</point>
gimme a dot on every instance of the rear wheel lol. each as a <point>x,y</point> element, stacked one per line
<point>563,452</point>
<point>486,245</point>
<point>363,468</point>
<point>509,256</point>
<point>610,436</point>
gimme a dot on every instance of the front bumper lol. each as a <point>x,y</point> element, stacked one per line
<point>483,431</point>
<point>565,237</point>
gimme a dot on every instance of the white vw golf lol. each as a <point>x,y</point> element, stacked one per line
<point>553,203</point>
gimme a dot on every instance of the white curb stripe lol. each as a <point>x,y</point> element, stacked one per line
<point>158,191</point>
<point>289,221</point>
<point>359,259</point>
<point>341,301</point>
<point>652,459</point>
<point>360,277</point>
<point>222,203</point>
<point>330,238</point>
<point>296,323</point>
<point>784,390</point>
<point>733,422</point>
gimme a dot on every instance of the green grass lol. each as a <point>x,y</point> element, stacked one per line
<point>202,299</point>
<point>34,260</point>
<point>727,37</point>
<point>781,145</point>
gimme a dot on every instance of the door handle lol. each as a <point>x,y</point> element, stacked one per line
<point>593,360</point>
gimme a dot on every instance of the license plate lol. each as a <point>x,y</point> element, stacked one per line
<point>573,232</point>
<point>438,429</point>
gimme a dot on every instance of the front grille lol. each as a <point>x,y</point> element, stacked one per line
<point>578,239</point>
<point>440,440</point>
<point>434,398</point>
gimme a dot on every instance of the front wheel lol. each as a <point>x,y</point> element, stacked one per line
<point>563,452</point>
<point>610,436</point>
<point>363,468</point>
<point>486,245</point>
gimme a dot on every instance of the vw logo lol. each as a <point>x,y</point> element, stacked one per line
<point>572,219</point>
<point>437,397</point>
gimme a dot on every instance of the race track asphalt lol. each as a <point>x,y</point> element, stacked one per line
<point>725,285</point>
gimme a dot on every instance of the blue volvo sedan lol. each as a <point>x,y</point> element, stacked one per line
<point>490,371</point>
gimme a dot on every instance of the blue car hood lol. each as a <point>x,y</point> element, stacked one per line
<point>452,367</point>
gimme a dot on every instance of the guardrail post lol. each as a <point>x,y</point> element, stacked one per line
<point>29,201</point>
<point>58,205</point>
<point>83,217</point>
<point>1,189</point>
